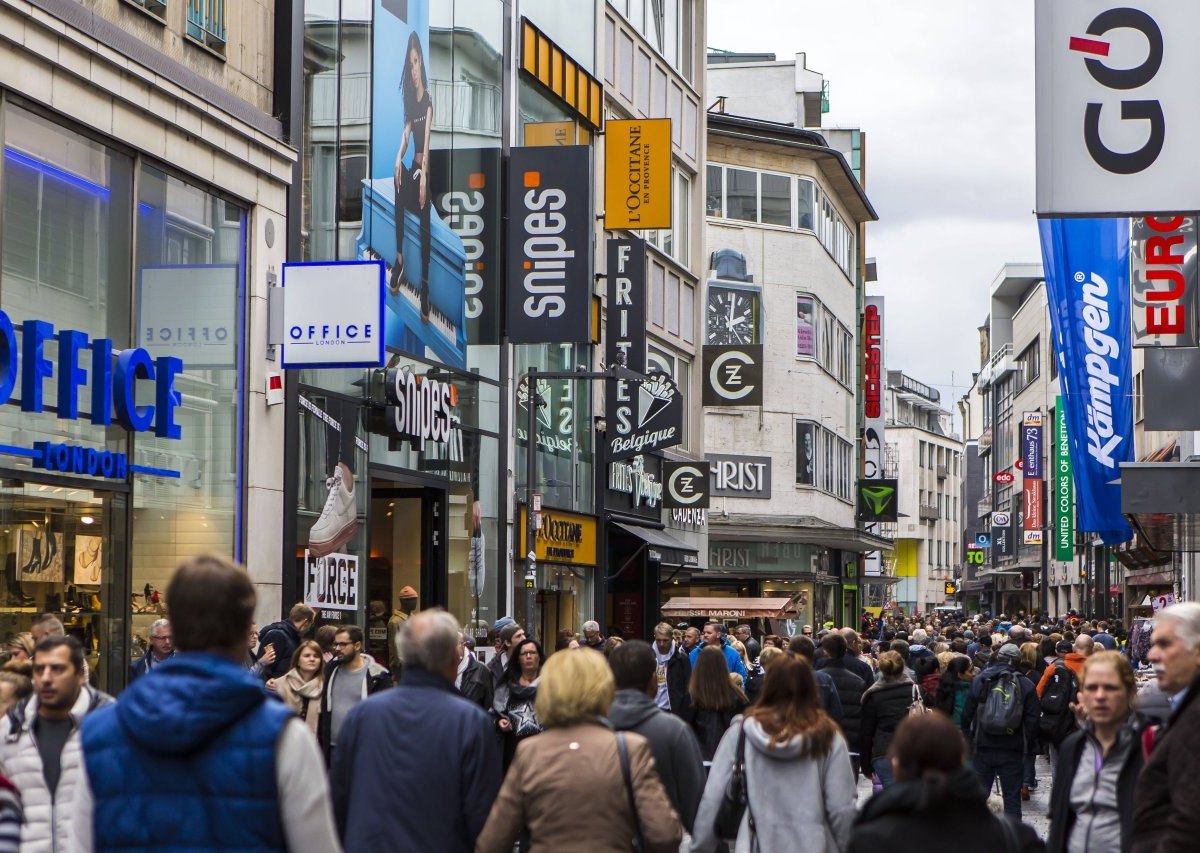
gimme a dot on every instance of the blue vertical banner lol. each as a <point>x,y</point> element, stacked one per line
<point>1087,283</point>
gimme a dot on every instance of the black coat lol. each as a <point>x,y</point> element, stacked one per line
<point>710,726</point>
<point>850,689</point>
<point>284,636</point>
<point>1166,812</point>
<point>1061,816</point>
<point>679,673</point>
<point>922,816</point>
<point>477,684</point>
<point>883,707</point>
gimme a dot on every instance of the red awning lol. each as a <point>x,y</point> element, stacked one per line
<point>730,608</point>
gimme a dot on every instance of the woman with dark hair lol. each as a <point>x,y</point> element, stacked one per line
<point>412,183</point>
<point>786,744</point>
<point>928,673</point>
<point>714,700</point>
<point>953,687</point>
<point>515,696</point>
<point>935,803</point>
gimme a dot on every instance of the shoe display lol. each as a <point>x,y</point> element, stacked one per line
<point>35,558</point>
<point>339,518</point>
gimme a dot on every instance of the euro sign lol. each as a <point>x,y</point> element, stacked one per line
<point>878,497</point>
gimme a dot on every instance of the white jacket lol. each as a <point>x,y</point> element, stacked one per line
<point>47,827</point>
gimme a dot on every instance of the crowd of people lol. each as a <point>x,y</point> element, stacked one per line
<point>292,738</point>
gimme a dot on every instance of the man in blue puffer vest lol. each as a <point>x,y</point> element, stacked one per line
<point>199,756</point>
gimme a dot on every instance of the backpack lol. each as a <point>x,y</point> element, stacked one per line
<point>1002,706</point>
<point>1056,720</point>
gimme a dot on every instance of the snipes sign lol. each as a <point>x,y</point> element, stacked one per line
<point>637,174</point>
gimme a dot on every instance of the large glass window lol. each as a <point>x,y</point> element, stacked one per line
<point>824,459</point>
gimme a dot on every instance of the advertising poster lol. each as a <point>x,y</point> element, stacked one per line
<point>637,174</point>
<point>425,257</point>
<point>875,418</point>
<point>39,555</point>
<point>1162,257</point>
<point>1064,489</point>
<point>1032,492</point>
<point>806,327</point>
<point>89,560</point>
<point>1087,284</point>
<point>334,452</point>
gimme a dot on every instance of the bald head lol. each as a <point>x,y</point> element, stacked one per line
<point>431,640</point>
<point>1084,645</point>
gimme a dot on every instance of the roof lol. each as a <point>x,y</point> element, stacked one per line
<point>832,162</point>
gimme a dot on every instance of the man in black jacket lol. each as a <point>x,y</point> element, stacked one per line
<point>996,754</point>
<point>1106,691</point>
<point>672,670</point>
<point>849,686</point>
<point>472,679</point>
<point>676,752</point>
<point>804,647</point>
<point>285,636</point>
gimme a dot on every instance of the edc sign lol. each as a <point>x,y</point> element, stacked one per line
<point>1117,116</point>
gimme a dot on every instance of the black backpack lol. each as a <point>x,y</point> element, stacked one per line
<point>1002,705</point>
<point>1057,720</point>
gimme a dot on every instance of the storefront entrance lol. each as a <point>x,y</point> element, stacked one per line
<point>64,549</point>
<point>406,570</point>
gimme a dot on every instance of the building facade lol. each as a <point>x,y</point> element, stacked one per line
<point>144,184</point>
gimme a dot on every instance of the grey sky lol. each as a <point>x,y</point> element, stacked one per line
<point>944,90</point>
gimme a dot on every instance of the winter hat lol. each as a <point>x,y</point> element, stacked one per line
<point>503,622</point>
<point>1062,647</point>
<point>407,592</point>
<point>1009,653</point>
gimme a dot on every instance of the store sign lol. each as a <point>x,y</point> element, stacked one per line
<point>466,193</point>
<point>733,375</point>
<point>206,336</point>
<point>1033,492</point>
<point>420,408</point>
<point>649,417</point>
<point>564,537</point>
<point>687,485</point>
<point>637,173</point>
<point>1087,287</point>
<point>634,480</point>
<point>549,245</point>
<point>1002,541</point>
<point>878,501</point>
<point>113,384</point>
<point>625,330</point>
<point>874,419</point>
<point>740,476</point>
<point>1163,262</point>
<point>1031,445</point>
<point>331,582</point>
<point>1004,478</point>
<point>1117,116</point>
<point>689,517</point>
<point>333,314</point>
<point>1001,519</point>
<point>1064,488</point>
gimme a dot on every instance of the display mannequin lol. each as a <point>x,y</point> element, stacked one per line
<point>408,604</point>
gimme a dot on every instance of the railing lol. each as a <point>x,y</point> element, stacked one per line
<point>355,101</point>
<point>985,506</point>
<point>206,21</point>
<point>158,7</point>
<point>943,471</point>
<point>464,105</point>
<point>929,513</point>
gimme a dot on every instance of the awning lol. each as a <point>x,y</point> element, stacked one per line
<point>1166,578</point>
<point>730,608</point>
<point>662,547</point>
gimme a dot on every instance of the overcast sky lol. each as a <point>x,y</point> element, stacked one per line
<point>944,91</point>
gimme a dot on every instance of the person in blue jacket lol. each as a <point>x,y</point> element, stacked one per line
<point>713,635</point>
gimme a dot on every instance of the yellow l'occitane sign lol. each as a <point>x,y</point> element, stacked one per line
<point>565,537</point>
<point>637,174</point>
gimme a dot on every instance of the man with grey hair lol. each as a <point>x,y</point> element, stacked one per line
<point>161,649</point>
<point>1165,813</point>
<point>47,625</point>
<point>592,636</point>
<point>419,746</point>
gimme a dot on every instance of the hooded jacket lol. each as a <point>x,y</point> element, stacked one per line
<point>930,814</point>
<point>187,756</point>
<point>791,797</point>
<point>284,636</point>
<point>1017,741</point>
<point>47,813</point>
<point>676,751</point>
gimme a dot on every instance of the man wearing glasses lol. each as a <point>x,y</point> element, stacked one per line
<point>352,677</point>
<point>160,650</point>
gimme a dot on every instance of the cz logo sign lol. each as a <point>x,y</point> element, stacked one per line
<point>687,485</point>
<point>733,375</point>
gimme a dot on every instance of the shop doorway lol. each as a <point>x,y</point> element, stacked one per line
<point>406,569</point>
<point>64,548</point>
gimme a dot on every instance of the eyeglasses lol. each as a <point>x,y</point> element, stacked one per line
<point>164,637</point>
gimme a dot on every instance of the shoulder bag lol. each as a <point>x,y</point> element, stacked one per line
<point>639,840</point>
<point>735,802</point>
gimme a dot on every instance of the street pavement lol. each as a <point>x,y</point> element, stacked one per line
<point>1033,811</point>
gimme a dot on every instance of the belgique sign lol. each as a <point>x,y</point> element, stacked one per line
<point>649,417</point>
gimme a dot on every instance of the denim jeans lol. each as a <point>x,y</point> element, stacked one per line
<point>1030,771</point>
<point>1010,767</point>
<point>883,769</point>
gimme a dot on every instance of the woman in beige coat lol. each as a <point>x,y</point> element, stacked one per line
<point>577,755</point>
<point>300,688</point>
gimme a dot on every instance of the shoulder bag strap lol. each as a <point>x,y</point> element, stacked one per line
<point>627,775</point>
<point>741,763</point>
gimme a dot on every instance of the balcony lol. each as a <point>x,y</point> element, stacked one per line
<point>999,364</point>
<point>985,506</point>
<point>467,106</point>
<point>929,513</point>
<point>206,22</point>
<point>943,471</point>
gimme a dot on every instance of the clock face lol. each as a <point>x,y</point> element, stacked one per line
<point>731,317</point>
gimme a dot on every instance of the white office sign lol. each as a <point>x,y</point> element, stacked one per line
<point>333,314</point>
<point>190,312</point>
<point>1118,120</point>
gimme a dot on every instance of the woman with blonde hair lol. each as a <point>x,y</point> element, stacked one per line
<point>20,647</point>
<point>785,744</point>
<point>300,687</point>
<point>625,797</point>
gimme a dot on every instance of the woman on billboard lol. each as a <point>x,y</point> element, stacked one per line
<point>412,183</point>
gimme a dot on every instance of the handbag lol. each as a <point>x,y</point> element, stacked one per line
<point>639,840</point>
<point>735,801</point>
<point>917,707</point>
